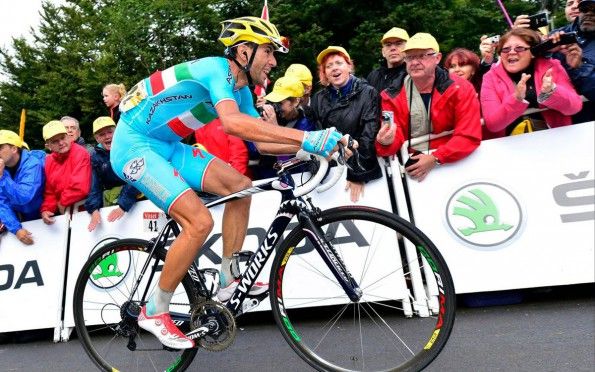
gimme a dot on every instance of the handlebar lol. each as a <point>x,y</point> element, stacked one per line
<point>315,181</point>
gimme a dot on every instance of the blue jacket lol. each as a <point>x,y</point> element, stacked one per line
<point>583,77</point>
<point>21,195</point>
<point>104,178</point>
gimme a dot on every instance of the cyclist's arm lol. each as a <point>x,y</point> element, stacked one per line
<point>276,149</point>
<point>249,128</point>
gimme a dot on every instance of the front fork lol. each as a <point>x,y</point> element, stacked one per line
<point>330,255</point>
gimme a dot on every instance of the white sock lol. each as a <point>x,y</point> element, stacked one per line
<point>159,302</point>
<point>225,275</point>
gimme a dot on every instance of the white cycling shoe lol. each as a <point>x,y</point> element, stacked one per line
<point>162,327</point>
<point>225,293</point>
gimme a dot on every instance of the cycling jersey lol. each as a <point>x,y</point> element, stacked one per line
<point>159,111</point>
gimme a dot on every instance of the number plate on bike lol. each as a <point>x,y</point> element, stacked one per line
<point>153,221</point>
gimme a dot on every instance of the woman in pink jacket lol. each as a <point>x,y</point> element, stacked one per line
<point>522,81</point>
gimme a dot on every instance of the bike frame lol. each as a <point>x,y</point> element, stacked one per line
<point>289,207</point>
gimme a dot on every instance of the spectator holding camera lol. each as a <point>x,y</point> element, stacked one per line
<point>67,172</point>
<point>522,81</point>
<point>392,67</point>
<point>21,184</point>
<point>104,178</point>
<point>579,59</point>
<point>430,102</point>
<point>351,105</point>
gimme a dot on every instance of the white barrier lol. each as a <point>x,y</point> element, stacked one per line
<point>538,232</point>
<point>32,278</point>
<point>517,213</point>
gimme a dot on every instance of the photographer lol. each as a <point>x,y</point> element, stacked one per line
<point>282,107</point>
<point>579,59</point>
<point>522,81</point>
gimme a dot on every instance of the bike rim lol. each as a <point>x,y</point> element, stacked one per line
<point>106,318</point>
<point>398,325</point>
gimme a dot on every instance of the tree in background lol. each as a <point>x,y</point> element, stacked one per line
<point>84,44</point>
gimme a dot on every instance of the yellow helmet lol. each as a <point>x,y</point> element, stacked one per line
<point>253,29</point>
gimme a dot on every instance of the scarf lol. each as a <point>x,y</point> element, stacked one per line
<point>419,122</point>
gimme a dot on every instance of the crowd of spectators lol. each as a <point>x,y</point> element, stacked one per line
<point>441,108</point>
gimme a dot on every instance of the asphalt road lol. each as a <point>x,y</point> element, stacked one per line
<point>551,330</point>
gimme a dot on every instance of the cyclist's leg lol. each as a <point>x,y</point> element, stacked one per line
<point>146,165</point>
<point>221,179</point>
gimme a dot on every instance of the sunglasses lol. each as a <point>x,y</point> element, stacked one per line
<point>518,49</point>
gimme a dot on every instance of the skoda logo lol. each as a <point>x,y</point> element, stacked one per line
<point>112,270</point>
<point>484,215</point>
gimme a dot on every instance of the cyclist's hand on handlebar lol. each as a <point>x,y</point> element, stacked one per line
<point>321,142</point>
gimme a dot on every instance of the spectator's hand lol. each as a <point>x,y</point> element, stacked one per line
<point>522,21</point>
<point>115,215</point>
<point>521,88</point>
<point>487,50</point>
<point>268,114</point>
<point>356,189</point>
<point>547,83</point>
<point>25,236</point>
<point>47,217</point>
<point>345,141</point>
<point>424,165</point>
<point>386,134</point>
<point>260,101</point>
<point>574,55</point>
<point>95,220</point>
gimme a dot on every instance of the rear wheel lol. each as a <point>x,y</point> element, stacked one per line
<point>407,310</point>
<point>106,310</point>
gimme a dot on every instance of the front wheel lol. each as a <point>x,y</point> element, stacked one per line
<point>107,303</point>
<point>407,308</point>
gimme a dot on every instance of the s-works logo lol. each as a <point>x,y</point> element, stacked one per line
<point>484,215</point>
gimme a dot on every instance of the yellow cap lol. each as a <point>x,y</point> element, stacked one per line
<point>11,138</point>
<point>102,122</point>
<point>331,49</point>
<point>301,72</point>
<point>285,87</point>
<point>397,33</point>
<point>422,40</point>
<point>53,128</point>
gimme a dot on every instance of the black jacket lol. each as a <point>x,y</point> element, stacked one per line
<point>356,113</point>
<point>383,76</point>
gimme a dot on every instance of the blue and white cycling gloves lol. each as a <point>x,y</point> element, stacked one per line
<point>321,142</point>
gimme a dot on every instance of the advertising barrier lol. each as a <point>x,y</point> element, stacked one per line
<point>517,213</point>
<point>32,277</point>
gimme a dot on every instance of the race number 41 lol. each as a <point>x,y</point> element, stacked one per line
<point>153,221</point>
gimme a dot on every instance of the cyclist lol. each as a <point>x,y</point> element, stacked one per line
<point>146,152</point>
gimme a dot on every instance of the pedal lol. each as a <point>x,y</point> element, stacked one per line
<point>214,275</point>
<point>246,254</point>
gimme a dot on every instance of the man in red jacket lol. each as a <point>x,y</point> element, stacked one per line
<point>429,102</point>
<point>67,172</point>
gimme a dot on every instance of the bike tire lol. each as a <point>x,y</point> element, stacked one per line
<point>381,332</point>
<point>103,325</point>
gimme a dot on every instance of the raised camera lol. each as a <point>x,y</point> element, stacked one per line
<point>538,20</point>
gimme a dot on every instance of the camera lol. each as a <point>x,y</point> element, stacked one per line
<point>412,161</point>
<point>542,48</point>
<point>493,39</point>
<point>538,20</point>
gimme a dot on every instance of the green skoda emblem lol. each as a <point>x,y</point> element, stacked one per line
<point>484,215</point>
<point>112,269</point>
<point>108,267</point>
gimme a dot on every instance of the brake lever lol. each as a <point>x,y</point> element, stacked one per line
<point>355,156</point>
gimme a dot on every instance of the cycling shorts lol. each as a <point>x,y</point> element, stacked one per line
<point>162,170</point>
